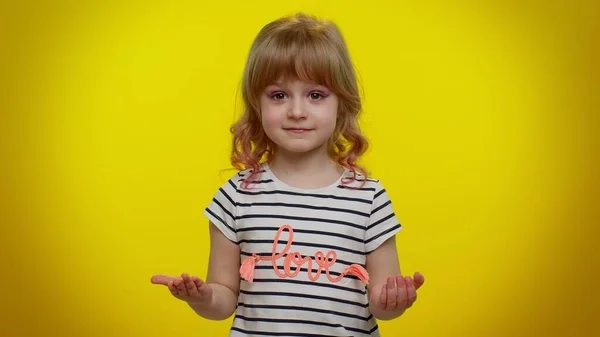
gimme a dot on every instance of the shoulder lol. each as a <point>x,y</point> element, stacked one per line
<point>230,180</point>
<point>363,183</point>
<point>371,189</point>
<point>242,174</point>
<point>238,179</point>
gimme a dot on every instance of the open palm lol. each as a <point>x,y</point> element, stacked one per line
<point>186,288</point>
<point>398,293</point>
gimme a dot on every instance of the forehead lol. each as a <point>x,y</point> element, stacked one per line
<point>295,82</point>
<point>301,68</point>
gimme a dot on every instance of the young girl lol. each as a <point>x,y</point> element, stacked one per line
<point>302,242</point>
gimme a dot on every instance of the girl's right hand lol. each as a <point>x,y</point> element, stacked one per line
<point>186,288</point>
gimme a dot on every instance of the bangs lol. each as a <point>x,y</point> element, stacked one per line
<point>296,55</point>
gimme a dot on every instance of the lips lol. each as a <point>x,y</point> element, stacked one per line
<point>297,130</point>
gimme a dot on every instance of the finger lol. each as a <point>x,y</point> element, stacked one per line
<point>391,293</point>
<point>190,286</point>
<point>419,279</point>
<point>172,288</point>
<point>383,297</point>
<point>401,297</point>
<point>411,292</point>
<point>162,279</point>
<point>200,285</point>
<point>180,286</point>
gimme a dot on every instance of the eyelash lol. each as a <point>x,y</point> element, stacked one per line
<point>321,95</point>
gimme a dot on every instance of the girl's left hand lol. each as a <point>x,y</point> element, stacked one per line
<point>398,293</point>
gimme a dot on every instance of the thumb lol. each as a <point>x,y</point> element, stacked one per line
<point>162,279</point>
<point>419,279</point>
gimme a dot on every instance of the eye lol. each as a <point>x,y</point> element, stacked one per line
<point>316,96</point>
<point>278,96</point>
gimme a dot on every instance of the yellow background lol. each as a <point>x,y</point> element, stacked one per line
<point>483,118</point>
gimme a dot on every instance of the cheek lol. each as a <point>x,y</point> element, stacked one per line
<point>331,123</point>
<point>270,118</point>
<point>328,117</point>
<point>271,122</point>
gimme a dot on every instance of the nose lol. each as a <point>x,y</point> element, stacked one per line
<point>297,109</point>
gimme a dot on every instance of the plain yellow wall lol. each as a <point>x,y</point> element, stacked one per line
<point>114,129</point>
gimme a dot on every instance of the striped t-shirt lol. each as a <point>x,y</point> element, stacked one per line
<point>334,221</point>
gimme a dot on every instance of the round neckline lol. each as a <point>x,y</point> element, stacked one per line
<point>279,182</point>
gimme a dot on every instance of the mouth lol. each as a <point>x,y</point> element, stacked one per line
<point>297,130</point>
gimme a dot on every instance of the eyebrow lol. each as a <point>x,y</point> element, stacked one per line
<point>280,84</point>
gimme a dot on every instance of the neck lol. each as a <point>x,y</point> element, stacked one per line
<point>307,170</point>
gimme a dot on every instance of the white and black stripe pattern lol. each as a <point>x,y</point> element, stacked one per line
<point>350,220</point>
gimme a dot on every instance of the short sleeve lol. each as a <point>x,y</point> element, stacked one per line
<point>221,211</point>
<point>383,223</point>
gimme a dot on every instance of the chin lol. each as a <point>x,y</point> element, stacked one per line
<point>299,148</point>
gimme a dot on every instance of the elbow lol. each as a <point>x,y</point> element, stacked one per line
<point>222,316</point>
<point>214,315</point>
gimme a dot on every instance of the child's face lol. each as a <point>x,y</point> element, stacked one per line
<point>298,116</point>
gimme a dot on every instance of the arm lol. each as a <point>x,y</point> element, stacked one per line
<point>390,293</point>
<point>217,298</point>
<point>223,277</point>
